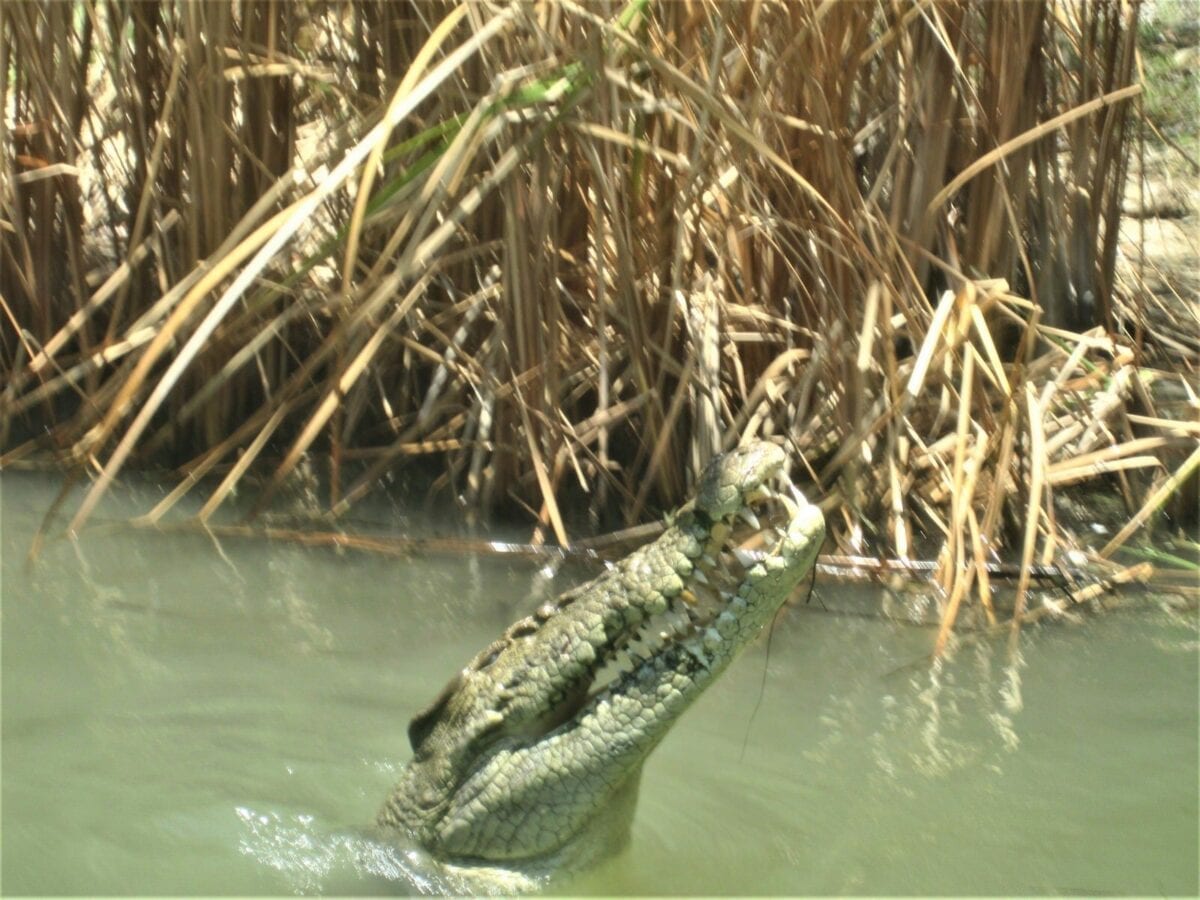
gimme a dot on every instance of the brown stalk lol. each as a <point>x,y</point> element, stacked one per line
<point>808,221</point>
<point>1153,503</point>
<point>1037,464</point>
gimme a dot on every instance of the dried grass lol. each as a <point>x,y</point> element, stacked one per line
<point>572,251</point>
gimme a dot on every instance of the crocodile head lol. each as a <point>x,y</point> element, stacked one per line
<point>530,758</point>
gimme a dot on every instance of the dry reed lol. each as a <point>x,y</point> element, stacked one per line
<point>570,251</point>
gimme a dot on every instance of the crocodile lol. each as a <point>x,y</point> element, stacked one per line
<point>528,763</point>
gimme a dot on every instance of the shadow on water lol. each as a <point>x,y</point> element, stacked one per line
<point>183,718</point>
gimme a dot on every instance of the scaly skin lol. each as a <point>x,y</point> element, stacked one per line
<point>517,771</point>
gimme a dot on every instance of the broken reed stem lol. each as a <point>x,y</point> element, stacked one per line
<point>962,496</point>
<point>1154,503</point>
<point>1137,574</point>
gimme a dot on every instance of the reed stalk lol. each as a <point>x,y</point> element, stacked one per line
<point>564,253</point>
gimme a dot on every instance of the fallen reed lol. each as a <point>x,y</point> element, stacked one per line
<point>567,252</point>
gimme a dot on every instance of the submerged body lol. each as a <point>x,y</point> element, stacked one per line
<point>529,761</point>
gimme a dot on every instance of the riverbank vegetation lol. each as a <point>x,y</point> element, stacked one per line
<point>560,254</point>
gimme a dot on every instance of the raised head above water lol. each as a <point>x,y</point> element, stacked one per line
<point>529,760</point>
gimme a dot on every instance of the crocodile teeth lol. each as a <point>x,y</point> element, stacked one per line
<point>793,504</point>
<point>699,576</point>
<point>745,558</point>
<point>675,623</point>
<point>726,624</point>
<point>697,652</point>
<point>748,516</point>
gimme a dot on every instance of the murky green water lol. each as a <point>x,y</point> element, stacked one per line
<point>183,717</point>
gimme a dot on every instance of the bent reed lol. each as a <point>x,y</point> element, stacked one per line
<point>573,250</point>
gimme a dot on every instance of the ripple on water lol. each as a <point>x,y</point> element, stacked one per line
<point>313,860</point>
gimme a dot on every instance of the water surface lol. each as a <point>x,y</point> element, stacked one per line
<point>181,715</point>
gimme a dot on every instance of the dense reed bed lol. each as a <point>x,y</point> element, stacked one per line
<point>566,252</point>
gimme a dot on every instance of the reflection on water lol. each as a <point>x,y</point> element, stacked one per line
<point>180,716</point>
